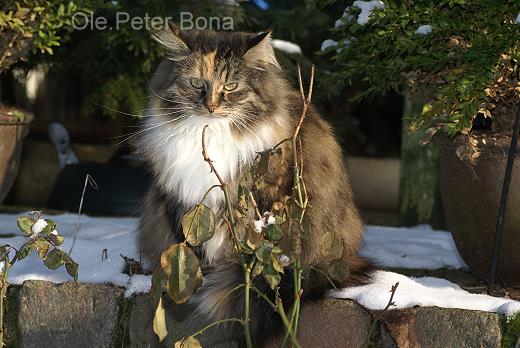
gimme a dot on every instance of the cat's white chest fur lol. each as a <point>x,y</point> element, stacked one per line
<point>182,171</point>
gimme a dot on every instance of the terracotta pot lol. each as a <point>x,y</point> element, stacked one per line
<point>11,138</point>
<point>471,197</point>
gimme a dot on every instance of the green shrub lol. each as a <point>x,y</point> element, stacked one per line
<point>466,65</point>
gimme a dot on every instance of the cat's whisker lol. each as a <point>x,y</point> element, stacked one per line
<point>131,135</point>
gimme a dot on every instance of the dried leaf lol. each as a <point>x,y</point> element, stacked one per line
<point>72,269</point>
<point>42,246</point>
<point>159,321</point>
<point>254,239</point>
<point>263,164</point>
<point>183,273</point>
<point>198,225</point>
<point>190,342</point>
<point>338,270</point>
<point>271,276</point>
<point>24,250</point>
<point>54,259</point>
<point>330,246</point>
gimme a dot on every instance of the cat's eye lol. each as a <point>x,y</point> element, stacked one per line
<point>231,86</point>
<point>197,83</point>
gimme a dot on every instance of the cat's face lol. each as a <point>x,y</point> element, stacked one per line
<point>212,86</point>
<point>216,75</point>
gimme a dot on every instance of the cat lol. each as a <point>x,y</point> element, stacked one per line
<point>233,83</point>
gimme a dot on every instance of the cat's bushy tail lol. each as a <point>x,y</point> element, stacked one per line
<point>217,300</point>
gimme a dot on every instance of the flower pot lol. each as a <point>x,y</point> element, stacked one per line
<point>12,133</point>
<point>471,195</point>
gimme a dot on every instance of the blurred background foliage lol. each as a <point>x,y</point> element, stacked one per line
<point>99,71</point>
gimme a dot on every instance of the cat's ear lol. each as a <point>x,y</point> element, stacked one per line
<point>170,37</point>
<point>260,50</point>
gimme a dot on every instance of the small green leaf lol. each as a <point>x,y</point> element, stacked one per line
<point>51,226</point>
<point>273,232</point>
<point>190,342</point>
<point>25,223</point>
<point>263,254</point>
<point>338,270</point>
<point>54,259</point>
<point>55,239</point>
<point>159,321</point>
<point>183,272</point>
<point>198,225</point>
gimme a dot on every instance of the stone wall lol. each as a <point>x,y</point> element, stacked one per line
<point>42,314</point>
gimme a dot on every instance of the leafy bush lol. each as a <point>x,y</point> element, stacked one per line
<point>461,56</point>
<point>33,26</point>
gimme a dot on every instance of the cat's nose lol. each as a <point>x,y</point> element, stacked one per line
<point>211,107</point>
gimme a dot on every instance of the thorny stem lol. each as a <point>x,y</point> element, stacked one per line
<point>286,322</point>
<point>218,322</point>
<point>247,269</point>
<point>300,194</point>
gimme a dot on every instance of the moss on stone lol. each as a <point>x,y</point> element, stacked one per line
<point>122,336</point>
<point>511,331</point>
<point>11,337</point>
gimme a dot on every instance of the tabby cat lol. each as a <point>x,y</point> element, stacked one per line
<point>232,82</point>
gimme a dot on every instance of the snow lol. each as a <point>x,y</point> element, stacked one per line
<point>417,247</point>
<point>116,235</point>
<point>425,291</point>
<point>366,7</point>
<point>286,46</point>
<point>328,43</point>
<point>517,20</point>
<point>38,226</point>
<point>424,29</point>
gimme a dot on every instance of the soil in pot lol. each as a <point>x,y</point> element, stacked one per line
<point>14,126</point>
<point>471,186</point>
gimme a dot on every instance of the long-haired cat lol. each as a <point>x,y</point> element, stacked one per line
<point>233,83</point>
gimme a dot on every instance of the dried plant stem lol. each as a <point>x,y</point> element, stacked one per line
<point>3,296</point>
<point>376,320</point>
<point>300,196</point>
<point>246,322</point>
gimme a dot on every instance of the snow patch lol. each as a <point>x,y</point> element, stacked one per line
<point>367,7</point>
<point>517,20</point>
<point>424,29</point>
<point>286,46</point>
<point>38,226</point>
<point>418,247</point>
<point>328,43</point>
<point>425,291</point>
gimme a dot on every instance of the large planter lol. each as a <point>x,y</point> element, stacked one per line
<point>12,134</point>
<point>471,195</point>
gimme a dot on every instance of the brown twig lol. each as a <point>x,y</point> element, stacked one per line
<point>390,303</point>
<point>253,200</point>
<point>208,160</point>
